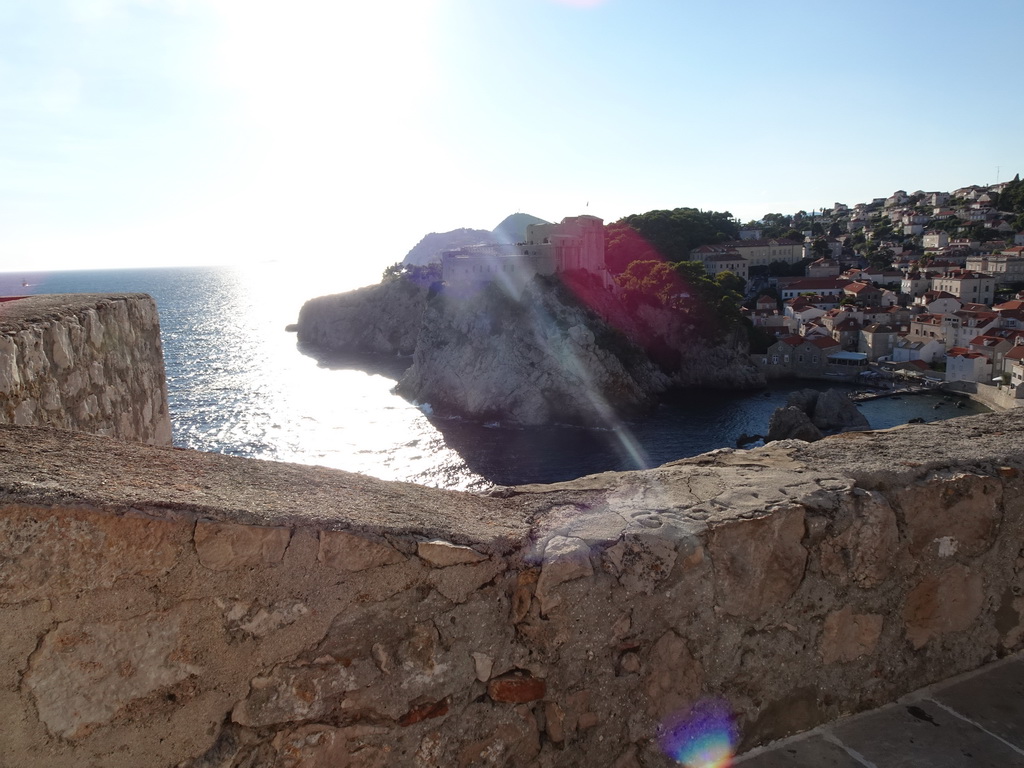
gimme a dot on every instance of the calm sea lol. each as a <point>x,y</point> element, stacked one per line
<point>239,384</point>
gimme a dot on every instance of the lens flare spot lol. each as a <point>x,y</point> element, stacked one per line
<point>703,737</point>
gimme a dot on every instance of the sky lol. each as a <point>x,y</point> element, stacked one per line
<point>336,133</point>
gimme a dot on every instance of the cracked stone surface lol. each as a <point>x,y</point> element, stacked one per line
<point>171,608</point>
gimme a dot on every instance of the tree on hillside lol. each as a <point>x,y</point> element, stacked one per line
<point>668,235</point>
<point>709,307</point>
<point>775,224</point>
<point>425,274</point>
<point>1011,199</point>
<point>820,248</point>
<point>730,281</point>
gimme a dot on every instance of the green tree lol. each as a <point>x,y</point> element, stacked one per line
<point>666,235</point>
<point>730,281</point>
<point>820,248</point>
<point>708,307</point>
<point>1011,199</point>
<point>420,274</point>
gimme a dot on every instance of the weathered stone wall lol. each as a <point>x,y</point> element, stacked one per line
<point>171,608</point>
<point>84,362</point>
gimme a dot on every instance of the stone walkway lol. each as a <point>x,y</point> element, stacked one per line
<point>975,719</point>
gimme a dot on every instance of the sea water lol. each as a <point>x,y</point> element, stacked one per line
<point>239,384</point>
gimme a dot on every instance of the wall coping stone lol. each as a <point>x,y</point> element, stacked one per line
<point>52,466</point>
<point>54,307</point>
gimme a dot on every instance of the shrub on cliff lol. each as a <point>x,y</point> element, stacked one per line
<point>708,308</point>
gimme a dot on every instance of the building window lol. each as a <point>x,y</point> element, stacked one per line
<point>775,359</point>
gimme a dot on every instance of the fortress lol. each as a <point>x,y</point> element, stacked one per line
<point>172,608</point>
<point>577,243</point>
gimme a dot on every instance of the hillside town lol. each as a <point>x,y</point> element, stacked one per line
<point>926,286</point>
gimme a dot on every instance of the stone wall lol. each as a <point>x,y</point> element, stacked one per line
<point>171,608</point>
<point>999,398</point>
<point>84,362</point>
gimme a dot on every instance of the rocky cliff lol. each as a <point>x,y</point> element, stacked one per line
<point>553,354</point>
<point>535,359</point>
<point>380,319</point>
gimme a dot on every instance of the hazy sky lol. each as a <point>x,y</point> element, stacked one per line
<point>313,132</point>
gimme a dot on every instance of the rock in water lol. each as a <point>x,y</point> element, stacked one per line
<point>380,319</point>
<point>791,423</point>
<point>804,399</point>
<point>810,414</point>
<point>834,410</point>
<point>536,359</point>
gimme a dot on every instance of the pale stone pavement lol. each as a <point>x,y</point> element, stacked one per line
<point>972,720</point>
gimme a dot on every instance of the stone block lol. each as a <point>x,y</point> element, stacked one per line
<point>949,601</point>
<point>83,674</point>
<point>50,552</point>
<point>442,554</point>
<point>296,692</point>
<point>641,562</point>
<point>458,582</point>
<point>674,679</point>
<point>965,509</point>
<point>230,546</point>
<point>848,635</point>
<point>346,551</point>
<point>758,563</point>
<point>863,553</point>
<point>565,559</point>
<point>516,689</point>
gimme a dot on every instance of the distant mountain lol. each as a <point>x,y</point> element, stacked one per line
<point>511,230</point>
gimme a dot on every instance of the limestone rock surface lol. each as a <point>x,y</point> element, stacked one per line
<point>529,360</point>
<point>809,415</point>
<point>791,423</point>
<point>834,410</point>
<point>379,319</point>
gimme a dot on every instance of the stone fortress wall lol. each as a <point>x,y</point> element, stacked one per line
<point>174,608</point>
<point>84,362</point>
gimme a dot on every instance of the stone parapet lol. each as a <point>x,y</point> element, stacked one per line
<point>171,608</point>
<point>89,362</point>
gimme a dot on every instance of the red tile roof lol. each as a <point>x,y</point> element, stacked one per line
<point>823,342</point>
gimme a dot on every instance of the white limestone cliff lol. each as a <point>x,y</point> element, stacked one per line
<point>380,319</point>
<point>531,360</point>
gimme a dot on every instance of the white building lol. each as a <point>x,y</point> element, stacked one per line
<point>726,262</point>
<point>968,286</point>
<point>934,239</point>
<point>964,365</point>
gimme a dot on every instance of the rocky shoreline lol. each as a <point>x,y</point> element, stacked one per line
<point>542,357</point>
